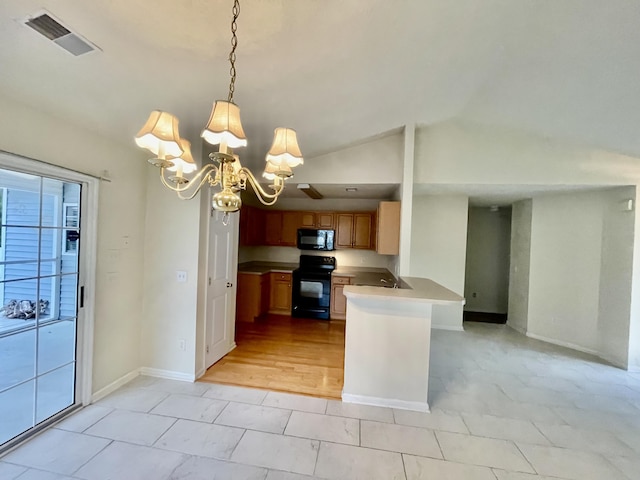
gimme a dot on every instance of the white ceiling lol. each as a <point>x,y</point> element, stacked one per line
<point>338,71</point>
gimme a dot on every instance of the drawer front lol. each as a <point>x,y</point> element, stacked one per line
<point>282,276</point>
<point>341,280</point>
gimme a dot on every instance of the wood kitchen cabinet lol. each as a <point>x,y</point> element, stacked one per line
<point>338,300</point>
<point>319,220</point>
<point>251,226</point>
<point>280,297</point>
<point>354,230</point>
<point>388,228</point>
<point>281,228</point>
<point>252,297</point>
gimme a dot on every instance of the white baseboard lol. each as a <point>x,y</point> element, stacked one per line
<point>517,329</point>
<point>386,402</point>
<point>113,386</point>
<point>572,346</point>
<point>200,373</point>
<point>615,362</point>
<point>452,328</point>
<point>168,374</point>
<point>633,369</point>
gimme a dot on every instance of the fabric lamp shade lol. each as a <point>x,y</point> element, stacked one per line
<point>160,134</point>
<point>224,126</point>
<point>185,161</point>
<point>271,171</point>
<point>285,149</point>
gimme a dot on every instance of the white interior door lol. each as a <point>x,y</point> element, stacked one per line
<point>221,288</point>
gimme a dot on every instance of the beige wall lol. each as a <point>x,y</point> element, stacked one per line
<point>520,264</point>
<point>121,214</point>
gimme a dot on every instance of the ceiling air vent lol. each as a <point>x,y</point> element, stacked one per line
<point>52,29</point>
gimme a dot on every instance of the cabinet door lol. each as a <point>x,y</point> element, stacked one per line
<point>265,293</point>
<point>344,233</point>
<point>280,293</point>
<point>362,223</point>
<point>388,228</point>
<point>324,220</point>
<point>338,302</point>
<point>273,228</point>
<point>290,222</point>
<point>307,220</point>
<point>248,301</point>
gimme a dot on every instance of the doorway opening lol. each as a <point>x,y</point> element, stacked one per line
<point>486,288</point>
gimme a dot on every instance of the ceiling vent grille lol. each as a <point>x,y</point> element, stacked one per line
<point>52,29</point>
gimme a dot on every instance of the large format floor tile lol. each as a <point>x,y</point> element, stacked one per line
<point>504,428</point>
<point>570,464</point>
<point>488,452</point>
<point>200,468</point>
<point>297,455</point>
<point>399,438</point>
<point>436,420</point>
<point>324,427</point>
<point>339,462</point>
<point>57,451</point>
<point>132,427</point>
<point>254,417</point>
<point>203,439</point>
<point>84,418</point>
<point>136,399</point>
<point>295,402</point>
<point>133,462</point>
<point>365,412</point>
<point>190,408</point>
<point>420,468</point>
<point>235,394</point>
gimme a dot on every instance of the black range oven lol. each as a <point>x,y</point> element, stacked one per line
<point>312,287</point>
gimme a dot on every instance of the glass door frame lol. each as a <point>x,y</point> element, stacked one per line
<point>86,275</point>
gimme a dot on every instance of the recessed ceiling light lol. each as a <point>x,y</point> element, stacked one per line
<point>351,189</point>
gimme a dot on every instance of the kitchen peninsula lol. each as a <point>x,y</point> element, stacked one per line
<point>387,344</point>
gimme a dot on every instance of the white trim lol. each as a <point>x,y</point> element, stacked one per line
<point>521,330</point>
<point>560,343</point>
<point>200,373</point>
<point>452,328</point>
<point>3,237</point>
<point>168,374</point>
<point>614,361</point>
<point>386,402</point>
<point>115,385</point>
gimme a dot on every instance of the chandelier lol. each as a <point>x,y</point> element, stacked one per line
<point>178,169</point>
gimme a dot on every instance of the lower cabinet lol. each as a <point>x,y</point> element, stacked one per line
<point>338,300</point>
<point>280,297</point>
<point>252,297</point>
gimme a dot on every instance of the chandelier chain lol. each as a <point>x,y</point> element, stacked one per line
<point>234,45</point>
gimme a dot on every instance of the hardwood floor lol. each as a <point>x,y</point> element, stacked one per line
<point>286,354</point>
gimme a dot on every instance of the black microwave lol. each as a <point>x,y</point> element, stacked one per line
<point>311,239</point>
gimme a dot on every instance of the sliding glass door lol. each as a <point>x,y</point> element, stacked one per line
<point>39,267</point>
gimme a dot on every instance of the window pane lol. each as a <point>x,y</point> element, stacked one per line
<point>17,406</point>
<point>46,303</point>
<point>55,392</point>
<point>21,243</point>
<point>68,295</point>
<point>17,357</point>
<point>20,271</point>
<point>23,206</point>
<point>19,302</point>
<point>51,202</point>
<point>56,345</point>
<point>50,243</point>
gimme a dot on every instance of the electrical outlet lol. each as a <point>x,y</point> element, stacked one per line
<point>182,344</point>
<point>474,294</point>
<point>181,276</point>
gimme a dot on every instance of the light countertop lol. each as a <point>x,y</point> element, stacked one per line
<point>259,268</point>
<point>366,275</point>
<point>413,288</point>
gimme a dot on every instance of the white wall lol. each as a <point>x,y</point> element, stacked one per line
<point>487,266</point>
<point>375,161</point>
<point>520,265</point>
<point>438,249</point>
<point>616,272</point>
<point>118,309</point>
<point>172,241</point>
<point>459,153</point>
<point>564,284</point>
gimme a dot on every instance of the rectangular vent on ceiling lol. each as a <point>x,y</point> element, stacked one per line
<point>52,29</point>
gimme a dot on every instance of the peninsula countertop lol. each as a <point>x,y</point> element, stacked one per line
<point>370,276</point>
<point>411,288</point>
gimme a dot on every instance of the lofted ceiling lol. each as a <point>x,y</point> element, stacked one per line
<point>337,71</point>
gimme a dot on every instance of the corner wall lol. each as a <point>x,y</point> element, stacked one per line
<point>520,265</point>
<point>438,249</point>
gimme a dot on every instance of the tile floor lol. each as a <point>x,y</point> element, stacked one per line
<point>504,407</point>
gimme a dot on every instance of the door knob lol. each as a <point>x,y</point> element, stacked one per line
<point>229,284</point>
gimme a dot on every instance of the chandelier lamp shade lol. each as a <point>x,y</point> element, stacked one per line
<point>178,170</point>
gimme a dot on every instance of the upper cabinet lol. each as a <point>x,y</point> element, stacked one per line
<point>354,230</point>
<point>281,228</point>
<point>320,220</point>
<point>388,231</point>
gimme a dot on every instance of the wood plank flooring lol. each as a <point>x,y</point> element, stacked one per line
<point>285,354</point>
